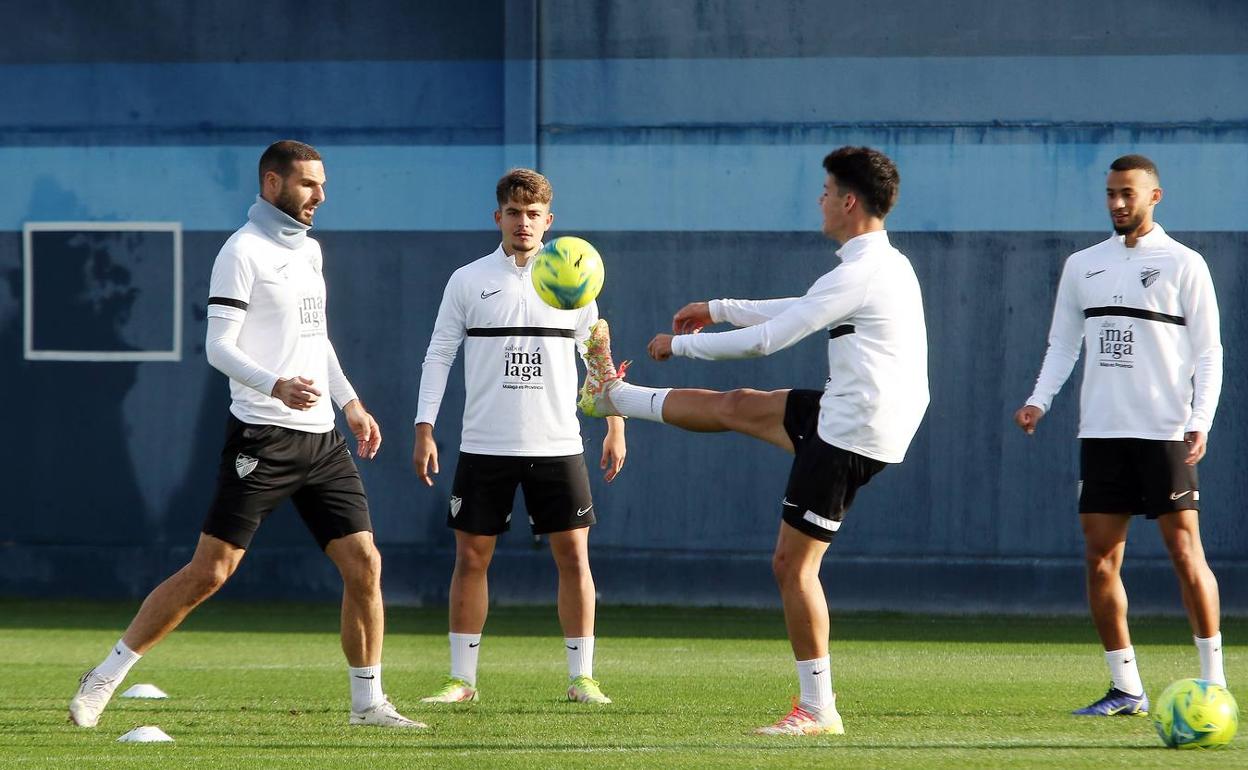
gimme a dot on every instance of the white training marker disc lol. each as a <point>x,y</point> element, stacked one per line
<point>146,734</point>
<point>144,691</point>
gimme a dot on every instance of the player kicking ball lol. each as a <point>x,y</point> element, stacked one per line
<point>875,397</point>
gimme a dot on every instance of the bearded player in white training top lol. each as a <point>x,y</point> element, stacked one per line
<point>520,429</point>
<point>865,417</point>
<point>1142,306</point>
<point>268,332</point>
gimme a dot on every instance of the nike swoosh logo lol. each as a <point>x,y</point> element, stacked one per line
<point>484,295</point>
<point>785,502</point>
<point>580,512</point>
<point>1091,273</point>
<point>357,676</point>
<point>280,268</point>
<point>815,673</point>
<point>474,644</point>
<point>573,648</point>
<point>1177,495</point>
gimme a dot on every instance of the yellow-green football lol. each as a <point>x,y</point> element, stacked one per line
<point>567,273</point>
<point>1196,714</point>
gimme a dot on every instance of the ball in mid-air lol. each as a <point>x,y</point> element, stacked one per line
<point>567,273</point>
<point>1196,714</point>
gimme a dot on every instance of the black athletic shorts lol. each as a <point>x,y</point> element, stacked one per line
<point>1136,476</point>
<point>824,478</point>
<point>262,465</point>
<point>556,492</point>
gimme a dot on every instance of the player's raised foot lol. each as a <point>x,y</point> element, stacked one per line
<point>94,692</point>
<point>453,691</point>
<point>801,721</point>
<point>1116,703</point>
<point>601,374</point>
<point>384,714</point>
<point>582,689</point>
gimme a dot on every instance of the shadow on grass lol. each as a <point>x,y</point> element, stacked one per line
<point>647,622</point>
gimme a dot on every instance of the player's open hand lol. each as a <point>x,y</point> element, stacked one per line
<point>1028,418</point>
<point>296,393</point>
<point>425,454</point>
<point>1196,445</point>
<point>691,318</point>
<point>660,348</point>
<point>366,430</point>
<point>613,449</point>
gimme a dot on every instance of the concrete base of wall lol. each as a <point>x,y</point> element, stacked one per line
<point>419,576</point>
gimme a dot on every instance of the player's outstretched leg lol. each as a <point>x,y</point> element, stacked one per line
<point>751,412</point>
<point>162,611</point>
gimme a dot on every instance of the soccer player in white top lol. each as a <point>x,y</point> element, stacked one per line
<point>267,331</point>
<point>1142,306</point>
<point>876,394</point>
<point>520,429</point>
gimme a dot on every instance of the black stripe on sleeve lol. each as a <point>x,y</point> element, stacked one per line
<point>1134,312</point>
<point>238,303</point>
<point>840,331</point>
<point>520,331</point>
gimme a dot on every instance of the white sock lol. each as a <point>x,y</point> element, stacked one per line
<point>1123,671</point>
<point>815,679</point>
<point>1211,658</point>
<point>365,687</point>
<point>464,651</point>
<point>638,401</point>
<point>580,651</point>
<point>118,662</point>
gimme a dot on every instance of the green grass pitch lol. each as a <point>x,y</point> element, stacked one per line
<point>264,685</point>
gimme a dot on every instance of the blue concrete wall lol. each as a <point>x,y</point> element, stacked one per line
<point>684,140</point>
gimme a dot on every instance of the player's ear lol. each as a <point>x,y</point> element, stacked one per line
<point>498,216</point>
<point>1157,193</point>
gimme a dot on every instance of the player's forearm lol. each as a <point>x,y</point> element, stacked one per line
<point>340,389</point>
<point>432,388</point>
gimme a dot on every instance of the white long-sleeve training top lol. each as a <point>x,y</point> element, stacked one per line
<point>1147,318</point>
<point>519,361</point>
<point>266,321</point>
<point>876,392</point>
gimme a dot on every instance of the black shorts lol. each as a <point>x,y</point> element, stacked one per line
<point>1136,476</point>
<point>262,465</point>
<point>824,478</point>
<point>556,492</point>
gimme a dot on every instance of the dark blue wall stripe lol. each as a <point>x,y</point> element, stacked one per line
<point>245,30</point>
<point>656,29</point>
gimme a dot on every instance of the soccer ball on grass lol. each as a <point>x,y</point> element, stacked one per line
<point>1195,714</point>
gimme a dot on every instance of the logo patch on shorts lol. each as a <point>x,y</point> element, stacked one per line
<point>456,504</point>
<point>244,465</point>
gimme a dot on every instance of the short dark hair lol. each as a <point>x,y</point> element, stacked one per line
<point>523,185</point>
<point>280,156</point>
<point>1134,162</point>
<point>867,173</point>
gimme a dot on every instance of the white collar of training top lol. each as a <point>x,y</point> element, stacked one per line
<point>860,244</point>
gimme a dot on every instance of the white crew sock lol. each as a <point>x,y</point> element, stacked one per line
<point>580,651</point>
<point>638,401</point>
<point>1123,671</point>
<point>464,651</point>
<point>118,662</point>
<point>365,687</point>
<point>1211,658</point>
<point>815,679</point>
